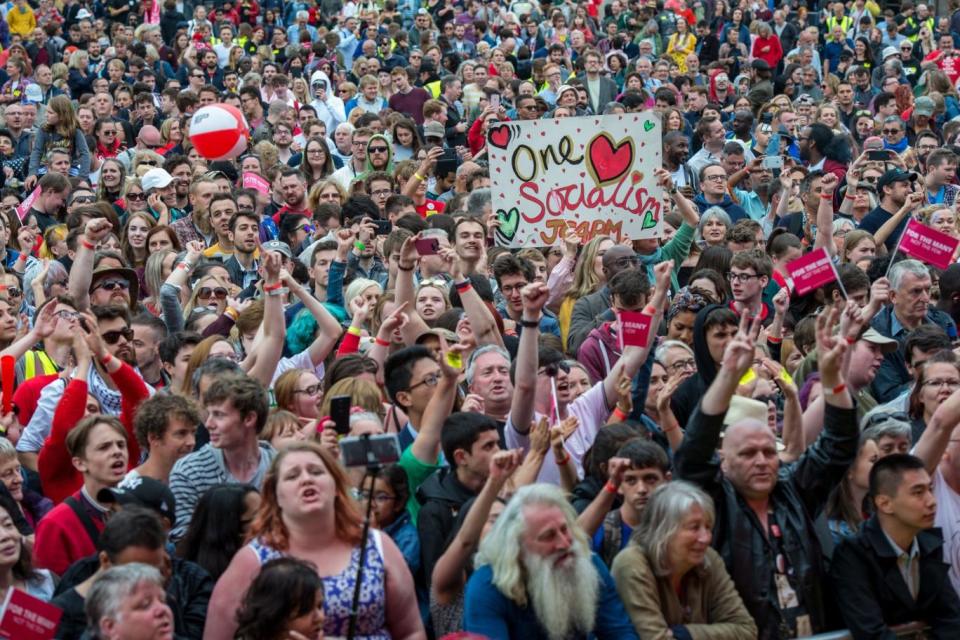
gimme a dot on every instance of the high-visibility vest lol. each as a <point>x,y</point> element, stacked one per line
<point>47,366</point>
<point>845,23</point>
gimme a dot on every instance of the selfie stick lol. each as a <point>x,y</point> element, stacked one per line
<point>373,469</point>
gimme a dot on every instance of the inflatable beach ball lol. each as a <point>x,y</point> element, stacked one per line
<point>219,132</point>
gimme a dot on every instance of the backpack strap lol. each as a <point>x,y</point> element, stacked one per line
<point>85,519</point>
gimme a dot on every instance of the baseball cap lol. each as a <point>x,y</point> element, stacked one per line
<point>887,345</point>
<point>433,130</point>
<point>145,492</point>
<point>924,106</point>
<point>894,175</point>
<point>156,178</point>
<point>277,245</point>
<point>83,14</point>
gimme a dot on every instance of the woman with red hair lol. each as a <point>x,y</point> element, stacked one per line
<point>307,513</point>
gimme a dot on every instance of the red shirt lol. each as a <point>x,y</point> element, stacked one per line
<point>62,539</point>
<point>430,207</point>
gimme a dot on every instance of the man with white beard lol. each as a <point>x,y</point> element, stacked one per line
<point>536,578</point>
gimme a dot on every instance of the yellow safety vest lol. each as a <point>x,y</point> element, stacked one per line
<point>47,366</point>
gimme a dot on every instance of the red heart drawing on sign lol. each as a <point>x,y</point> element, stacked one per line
<point>500,136</point>
<point>607,161</point>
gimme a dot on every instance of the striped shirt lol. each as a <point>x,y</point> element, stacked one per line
<point>195,473</point>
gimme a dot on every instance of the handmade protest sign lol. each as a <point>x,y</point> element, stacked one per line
<point>24,207</point>
<point>255,181</point>
<point>591,174</point>
<point>811,271</point>
<point>634,328</point>
<point>928,245</point>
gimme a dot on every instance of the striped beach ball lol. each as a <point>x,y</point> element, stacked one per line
<point>219,132</point>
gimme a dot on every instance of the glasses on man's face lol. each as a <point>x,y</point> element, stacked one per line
<point>430,380</point>
<point>741,277</point>
<point>65,314</point>
<point>381,193</point>
<point>220,293</point>
<point>377,149</point>
<point>13,292</point>
<point>137,197</point>
<point>113,285</point>
<point>83,200</point>
<point>113,337</point>
<point>717,177</point>
<point>891,132</point>
<point>682,365</point>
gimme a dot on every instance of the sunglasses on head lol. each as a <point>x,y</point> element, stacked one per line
<point>219,293</point>
<point>551,370</point>
<point>113,337</point>
<point>113,285</point>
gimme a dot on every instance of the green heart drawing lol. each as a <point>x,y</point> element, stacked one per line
<point>648,221</point>
<point>509,221</point>
<point>648,125</point>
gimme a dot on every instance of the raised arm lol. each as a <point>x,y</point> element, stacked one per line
<point>426,446</point>
<point>592,517</point>
<point>409,256</point>
<point>534,297</point>
<point>695,460</point>
<point>935,438</point>
<point>381,345</point>
<point>81,273</point>
<point>449,574</point>
<point>274,329</point>
<point>632,358</point>
<point>43,326</point>
<point>792,433</point>
<point>824,237</point>
<point>482,322</point>
<point>913,201</point>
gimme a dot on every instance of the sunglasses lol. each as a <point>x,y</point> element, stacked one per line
<point>13,292</point>
<point>891,132</point>
<point>113,337</point>
<point>219,293</point>
<point>138,196</point>
<point>113,285</point>
<point>83,200</point>
<point>377,149</point>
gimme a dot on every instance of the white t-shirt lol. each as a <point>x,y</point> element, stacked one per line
<point>948,519</point>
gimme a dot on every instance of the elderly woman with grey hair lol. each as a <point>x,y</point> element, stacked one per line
<point>713,227</point>
<point>129,601</point>
<point>672,582</point>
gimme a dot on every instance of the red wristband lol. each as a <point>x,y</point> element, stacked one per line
<point>774,340</point>
<point>105,360</point>
<point>380,341</point>
<point>273,287</point>
<point>620,415</point>
<point>88,245</point>
<point>851,340</point>
<point>610,487</point>
<point>564,460</point>
<point>840,388</point>
<point>826,196</point>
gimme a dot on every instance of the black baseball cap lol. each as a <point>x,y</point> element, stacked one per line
<point>144,492</point>
<point>894,175</point>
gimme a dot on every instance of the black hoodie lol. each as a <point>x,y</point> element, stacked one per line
<point>442,497</point>
<point>688,395</point>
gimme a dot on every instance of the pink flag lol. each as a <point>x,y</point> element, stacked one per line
<point>255,181</point>
<point>634,328</point>
<point>928,245</point>
<point>25,616</point>
<point>24,207</point>
<point>812,271</point>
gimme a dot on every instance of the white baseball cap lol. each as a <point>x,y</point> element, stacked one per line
<point>155,179</point>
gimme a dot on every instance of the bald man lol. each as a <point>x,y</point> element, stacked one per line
<point>593,310</point>
<point>764,528</point>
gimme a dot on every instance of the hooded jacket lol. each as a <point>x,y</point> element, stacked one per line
<point>368,166</point>
<point>442,497</point>
<point>733,210</point>
<point>600,352</point>
<point>692,389</point>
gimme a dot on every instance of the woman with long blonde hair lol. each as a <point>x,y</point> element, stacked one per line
<point>587,278</point>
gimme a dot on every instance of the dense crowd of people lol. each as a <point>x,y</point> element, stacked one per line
<point>192,347</point>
